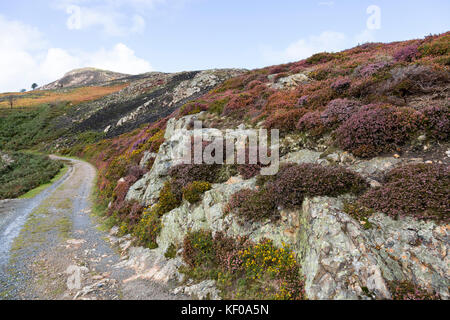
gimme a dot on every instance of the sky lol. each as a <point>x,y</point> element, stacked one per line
<point>42,40</point>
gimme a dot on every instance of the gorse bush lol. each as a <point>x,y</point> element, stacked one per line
<point>406,290</point>
<point>169,198</point>
<point>375,129</point>
<point>420,191</point>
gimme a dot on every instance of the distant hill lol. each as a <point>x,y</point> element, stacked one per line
<point>84,77</point>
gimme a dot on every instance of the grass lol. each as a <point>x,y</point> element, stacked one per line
<point>34,192</point>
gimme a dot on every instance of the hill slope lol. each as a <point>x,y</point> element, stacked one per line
<point>358,210</point>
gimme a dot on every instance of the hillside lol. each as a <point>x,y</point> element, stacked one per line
<point>358,210</point>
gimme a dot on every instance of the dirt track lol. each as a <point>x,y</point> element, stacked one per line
<point>51,247</point>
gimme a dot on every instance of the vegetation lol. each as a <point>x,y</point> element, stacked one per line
<point>290,186</point>
<point>420,191</point>
<point>24,173</point>
<point>406,290</point>
<point>242,269</point>
<point>193,191</point>
<point>74,95</point>
<point>32,128</point>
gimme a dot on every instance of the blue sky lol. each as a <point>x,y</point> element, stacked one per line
<point>41,40</point>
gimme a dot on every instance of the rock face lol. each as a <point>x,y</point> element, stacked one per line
<point>340,258</point>
<point>84,77</point>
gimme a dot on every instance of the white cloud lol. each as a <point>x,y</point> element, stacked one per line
<point>26,57</point>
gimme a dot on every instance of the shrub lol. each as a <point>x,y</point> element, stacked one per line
<point>284,120</point>
<point>192,108</point>
<point>193,191</point>
<point>128,212</point>
<point>413,79</point>
<point>419,191</point>
<point>406,290</point>
<point>184,174</point>
<point>338,111</point>
<point>217,106</point>
<point>227,250</point>
<point>169,199</point>
<point>243,269</point>
<point>370,69</point>
<point>289,188</point>
<point>437,121</point>
<point>25,172</point>
<point>264,261</point>
<point>406,54</point>
<point>312,123</point>
<point>319,58</point>
<point>254,205</point>
<point>148,228</point>
<point>437,47</point>
<point>340,85</point>
<point>376,129</point>
<point>171,252</point>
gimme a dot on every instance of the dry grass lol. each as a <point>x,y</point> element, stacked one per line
<point>76,96</point>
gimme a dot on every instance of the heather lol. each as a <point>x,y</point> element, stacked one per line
<point>288,188</point>
<point>377,129</point>
<point>243,269</point>
<point>419,191</point>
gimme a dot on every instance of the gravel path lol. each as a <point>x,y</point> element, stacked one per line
<point>51,247</point>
